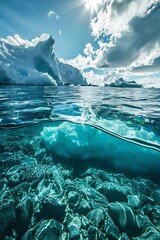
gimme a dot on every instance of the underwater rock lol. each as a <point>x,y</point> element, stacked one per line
<point>9,159</point>
<point>53,225</point>
<point>28,235</point>
<point>124,218</point>
<point>150,233</point>
<point>146,200</point>
<point>49,197</point>
<point>156,196</point>
<point>124,237</point>
<point>134,201</point>
<point>113,192</point>
<point>24,212</point>
<point>86,197</point>
<point>85,222</point>
<point>51,208</point>
<point>83,207</point>
<point>78,203</point>
<point>51,187</point>
<point>9,238</point>
<point>74,229</point>
<point>92,232</point>
<point>47,229</point>
<point>74,233</point>
<point>104,176</point>
<point>7,216</point>
<point>97,217</point>
<point>112,232</point>
<point>153,212</point>
<point>73,198</point>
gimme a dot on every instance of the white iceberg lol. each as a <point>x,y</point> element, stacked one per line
<point>34,63</point>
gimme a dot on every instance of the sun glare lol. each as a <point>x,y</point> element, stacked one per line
<point>92,5</point>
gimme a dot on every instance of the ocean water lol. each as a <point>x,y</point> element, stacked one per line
<point>79,163</point>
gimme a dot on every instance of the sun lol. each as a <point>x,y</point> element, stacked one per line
<point>92,5</point>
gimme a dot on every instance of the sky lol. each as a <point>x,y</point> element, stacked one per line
<point>111,38</point>
<point>65,20</point>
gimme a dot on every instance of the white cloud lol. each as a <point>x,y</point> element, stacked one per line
<point>88,50</point>
<point>52,14</point>
<point>131,30</point>
<point>81,62</point>
<point>92,78</point>
<point>60,32</point>
<point>114,17</point>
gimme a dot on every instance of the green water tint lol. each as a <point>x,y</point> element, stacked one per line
<point>73,143</point>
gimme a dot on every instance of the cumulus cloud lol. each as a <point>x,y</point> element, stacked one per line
<point>52,14</point>
<point>89,51</point>
<point>93,78</point>
<point>86,60</point>
<point>131,30</point>
<point>80,62</point>
<point>115,15</point>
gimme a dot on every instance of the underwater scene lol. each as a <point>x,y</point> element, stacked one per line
<point>79,163</point>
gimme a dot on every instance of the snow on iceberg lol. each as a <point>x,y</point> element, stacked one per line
<point>75,76</point>
<point>34,63</point>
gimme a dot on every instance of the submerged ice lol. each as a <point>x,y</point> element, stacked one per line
<point>75,143</point>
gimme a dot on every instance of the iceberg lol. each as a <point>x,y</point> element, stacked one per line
<point>88,143</point>
<point>122,83</point>
<point>35,63</point>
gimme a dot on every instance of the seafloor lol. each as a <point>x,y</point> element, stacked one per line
<point>45,199</point>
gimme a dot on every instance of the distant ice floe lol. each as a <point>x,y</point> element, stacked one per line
<point>122,83</point>
<point>34,63</point>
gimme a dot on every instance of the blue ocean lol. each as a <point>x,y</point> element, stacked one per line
<point>79,163</point>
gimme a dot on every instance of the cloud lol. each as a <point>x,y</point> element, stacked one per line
<point>115,15</point>
<point>88,50</point>
<point>130,32</point>
<point>93,78</point>
<point>153,67</point>
<point>84,62</point>
<point>148,80</point>
<point>52,14</point>
<point>81,62</point>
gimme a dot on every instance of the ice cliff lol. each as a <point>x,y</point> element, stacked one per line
<point>34,63</point>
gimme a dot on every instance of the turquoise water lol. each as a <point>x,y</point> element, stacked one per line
<point>71,153</point>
